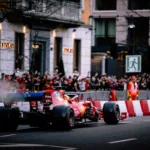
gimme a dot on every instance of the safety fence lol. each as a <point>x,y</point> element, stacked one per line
<point>104,95</point>
<point>129,108</point>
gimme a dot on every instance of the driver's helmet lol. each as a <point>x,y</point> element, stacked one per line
<point>133,78</point>
<point>62,92</point>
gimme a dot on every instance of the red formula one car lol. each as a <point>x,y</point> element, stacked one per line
<point>61,112</point>
<point>51,107</point>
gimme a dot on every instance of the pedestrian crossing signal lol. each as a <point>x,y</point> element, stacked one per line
<point>133,63</point>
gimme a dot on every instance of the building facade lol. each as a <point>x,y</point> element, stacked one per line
<point>120,27</point>
<point>38,36</point>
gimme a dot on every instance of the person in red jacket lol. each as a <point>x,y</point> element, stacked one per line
<point>21,87</point>
<point>113,95</point>
<point>132,89</point>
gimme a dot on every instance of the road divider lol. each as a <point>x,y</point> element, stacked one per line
<point>131,108</point>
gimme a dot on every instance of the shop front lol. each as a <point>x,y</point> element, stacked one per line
<point>27,49</point>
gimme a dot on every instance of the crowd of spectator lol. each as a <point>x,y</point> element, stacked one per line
<point>73,83</point>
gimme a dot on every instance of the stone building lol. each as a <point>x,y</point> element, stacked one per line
<point>120,28</point>
<point>37,35</point>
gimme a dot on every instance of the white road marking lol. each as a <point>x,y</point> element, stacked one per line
<point>101,121</point>
<point>126,121</point>
<point>125,140</point>
<point>3,145</point>
<point>147,120</point>
<point>2,136</point>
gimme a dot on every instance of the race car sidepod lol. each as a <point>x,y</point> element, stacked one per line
<point>111,113</point>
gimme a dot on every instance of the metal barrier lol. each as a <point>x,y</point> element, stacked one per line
<point>121,95</point>
<point>144,94</point>
<point>104,95</point>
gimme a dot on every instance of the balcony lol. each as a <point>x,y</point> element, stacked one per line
<point>51,9</point>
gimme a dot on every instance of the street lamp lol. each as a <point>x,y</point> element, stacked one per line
<point>132,26</point>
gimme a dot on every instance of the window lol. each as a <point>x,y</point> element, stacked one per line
<point>135,36</point>
<point>74,1</point>
<point>138,4</point>
<point>39,55</point>
<point>105,31</point>
<point>77,55</point>
<point>58,52</point>
<point>3,6</point>
<point>82,4</point>
<point>105,28</point>
<point>12,4</point>
<point>105,4</point>
<point>19,51</point>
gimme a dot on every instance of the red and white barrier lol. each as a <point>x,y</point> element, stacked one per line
<point>148,101</point>
<point>122,106</point>
<point>132,108</point>
<point>102,103</point>
<point>137,108</point>
<point>1,104</point>
<point>145,107</point>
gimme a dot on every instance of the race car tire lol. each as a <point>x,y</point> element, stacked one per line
<point>96,118</point>
<point>14,119</point>
<point>111,113</point>
<point>9,119</point>
<point>63,117</point>
<point>3,117</point>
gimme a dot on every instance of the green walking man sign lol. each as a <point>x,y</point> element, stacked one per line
<point>133,63</point>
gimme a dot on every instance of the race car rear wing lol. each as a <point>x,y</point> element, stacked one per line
<point>22,97</point>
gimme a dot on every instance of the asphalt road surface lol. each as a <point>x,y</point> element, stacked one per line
<point>131,134</point>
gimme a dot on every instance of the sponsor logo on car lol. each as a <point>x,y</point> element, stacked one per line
<point>57,94</point>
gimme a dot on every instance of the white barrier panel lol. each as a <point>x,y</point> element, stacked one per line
<point>1,104</point>
<point>148,102</point>
<point>122,107</point>
<point>24,106</point>
<point>102,103</point>
<point>137,108</point>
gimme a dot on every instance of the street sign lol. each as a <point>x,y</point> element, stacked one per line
<point>133,63</point>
